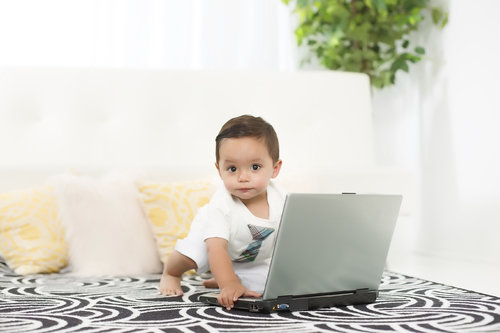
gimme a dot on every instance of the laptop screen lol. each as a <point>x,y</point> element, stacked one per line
<point>331,242</point>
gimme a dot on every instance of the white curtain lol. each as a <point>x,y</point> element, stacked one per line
<point>467,155</point>
<point>442,122</point>
<point>187,34</point>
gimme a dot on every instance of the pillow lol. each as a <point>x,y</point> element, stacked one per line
<point>106,230</point>
<point>170,208</point>
<point>31,235</point>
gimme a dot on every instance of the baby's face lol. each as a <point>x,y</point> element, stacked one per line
<point>246,167</point>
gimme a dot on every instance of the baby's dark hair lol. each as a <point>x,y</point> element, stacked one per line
<point>249,126</point>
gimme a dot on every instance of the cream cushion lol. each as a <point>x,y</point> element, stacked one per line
<point>106,230</point>
<point>31,235</point>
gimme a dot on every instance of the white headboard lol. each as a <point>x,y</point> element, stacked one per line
<point>162,124</point>
<point>97,119</point>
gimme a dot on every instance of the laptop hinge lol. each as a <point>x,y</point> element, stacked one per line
<point>337,293</point>
<point>362,290</point>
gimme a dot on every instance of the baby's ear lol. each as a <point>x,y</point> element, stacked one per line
<point>217,167</point>
<point>277,168</point>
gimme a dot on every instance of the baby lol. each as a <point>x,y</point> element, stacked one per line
<point>234,234</point>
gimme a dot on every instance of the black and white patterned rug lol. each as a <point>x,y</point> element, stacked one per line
<point>62,303</point>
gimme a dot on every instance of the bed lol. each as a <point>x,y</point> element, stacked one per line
<point>103,169</point>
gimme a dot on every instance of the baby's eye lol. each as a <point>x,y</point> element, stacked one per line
<point>255,167</point>
<point>231,169</point>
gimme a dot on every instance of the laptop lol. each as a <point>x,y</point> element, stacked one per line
<point>330,250</point>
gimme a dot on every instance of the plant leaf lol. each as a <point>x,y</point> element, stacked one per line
<point>437,14</point>
<point>419,50</point>
<point>445,20</point>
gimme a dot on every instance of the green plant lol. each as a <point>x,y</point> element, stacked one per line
<point>368,36</point>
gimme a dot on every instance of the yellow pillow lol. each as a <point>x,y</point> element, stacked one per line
<point>170,208</point>
<point>31,235</point>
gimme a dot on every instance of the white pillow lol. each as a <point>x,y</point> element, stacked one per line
<point>106,230</point>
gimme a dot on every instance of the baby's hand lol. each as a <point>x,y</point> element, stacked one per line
<point>231,292</point>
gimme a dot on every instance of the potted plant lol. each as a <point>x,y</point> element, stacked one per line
<point>368,36</point>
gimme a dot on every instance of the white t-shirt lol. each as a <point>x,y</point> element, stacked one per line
<point>250,238</point>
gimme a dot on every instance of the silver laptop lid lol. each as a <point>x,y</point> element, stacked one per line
<point>331,242</point>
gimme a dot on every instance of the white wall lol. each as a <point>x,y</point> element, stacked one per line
<point>442,122</point>
<point>461,137</point>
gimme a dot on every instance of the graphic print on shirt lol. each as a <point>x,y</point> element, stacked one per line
<point>259,234</point>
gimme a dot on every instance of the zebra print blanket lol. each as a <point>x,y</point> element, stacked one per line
<point>62,303</point>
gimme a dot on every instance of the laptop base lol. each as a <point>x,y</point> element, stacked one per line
<point>298,303</point>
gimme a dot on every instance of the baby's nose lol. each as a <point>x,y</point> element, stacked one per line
<point>244,176</point>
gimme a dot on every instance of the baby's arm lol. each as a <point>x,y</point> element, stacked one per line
<point>222,269</point>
